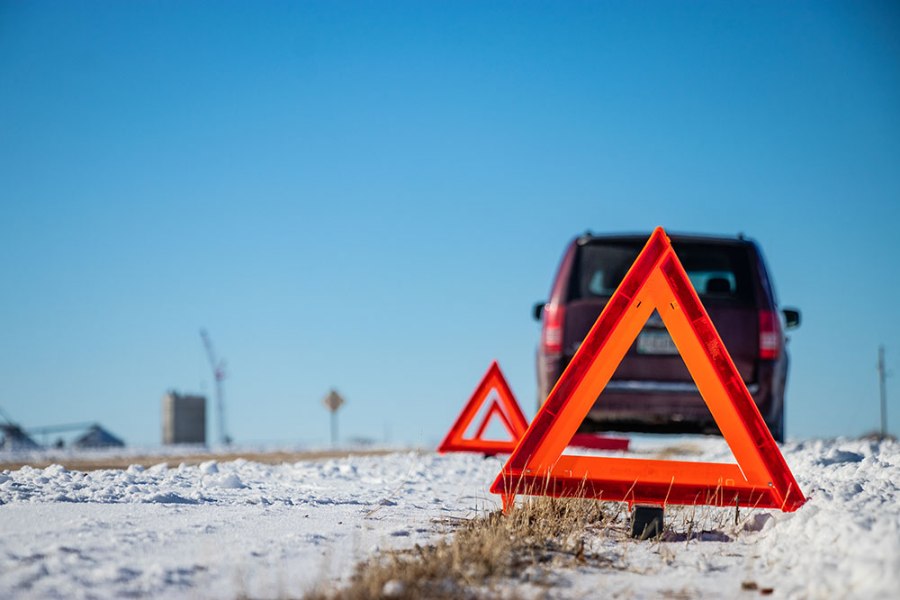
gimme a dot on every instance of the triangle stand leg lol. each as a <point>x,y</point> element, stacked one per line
<point>647,521</point>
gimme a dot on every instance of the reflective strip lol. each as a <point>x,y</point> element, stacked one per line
<point>624,385</point>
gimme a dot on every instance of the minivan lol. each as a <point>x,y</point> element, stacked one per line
<point>652,390</point>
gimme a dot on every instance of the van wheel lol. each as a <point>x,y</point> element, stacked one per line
<point>777,428</point>
<point>778,434</point>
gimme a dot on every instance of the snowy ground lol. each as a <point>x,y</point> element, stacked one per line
<point>224,530</point>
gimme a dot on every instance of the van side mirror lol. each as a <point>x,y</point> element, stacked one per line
<point>791,318</point>
<point>537,311</point>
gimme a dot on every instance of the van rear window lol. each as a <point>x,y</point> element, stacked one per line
<point>717,271</point>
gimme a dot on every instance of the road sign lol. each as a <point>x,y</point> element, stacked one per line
<point>333,401</point>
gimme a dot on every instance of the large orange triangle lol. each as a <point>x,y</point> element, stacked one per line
<point>504,407</point>
<point>656,281</point>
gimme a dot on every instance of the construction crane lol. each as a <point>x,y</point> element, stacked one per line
<point>218,369</point>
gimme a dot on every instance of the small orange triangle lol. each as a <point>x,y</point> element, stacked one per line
<point>504,407</point>
<point>656,281</point>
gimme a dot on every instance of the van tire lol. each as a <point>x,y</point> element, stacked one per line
<point>777,427</point>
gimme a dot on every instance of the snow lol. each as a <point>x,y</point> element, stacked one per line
<point>239,528</point>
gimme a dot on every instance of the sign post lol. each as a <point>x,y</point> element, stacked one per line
<point>882,374</point>
<point>333,401</point>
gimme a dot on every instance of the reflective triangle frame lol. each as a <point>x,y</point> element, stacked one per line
<point>504,407</point>
<point>656,281</point>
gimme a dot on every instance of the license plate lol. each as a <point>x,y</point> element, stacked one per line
<point>655,342</point>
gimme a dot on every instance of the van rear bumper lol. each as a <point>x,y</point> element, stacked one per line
<point>659,407</point>
<point>667,406</point>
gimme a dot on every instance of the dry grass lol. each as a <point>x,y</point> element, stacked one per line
<point>529,545</point>
<point>536,536</point>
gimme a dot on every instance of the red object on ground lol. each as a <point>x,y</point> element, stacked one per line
<point>599,442</point>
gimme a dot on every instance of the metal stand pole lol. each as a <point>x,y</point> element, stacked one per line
<point>647,522</point>
<point>881,377</point>
<point>334,430</point>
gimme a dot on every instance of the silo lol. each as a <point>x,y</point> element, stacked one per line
<point>184,419</point>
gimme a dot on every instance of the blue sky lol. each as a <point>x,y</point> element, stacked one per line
<point>372,195</point>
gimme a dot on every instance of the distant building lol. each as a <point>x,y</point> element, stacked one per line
<point>97,437</point>
<point>183,419</point>
<point>15,439</point>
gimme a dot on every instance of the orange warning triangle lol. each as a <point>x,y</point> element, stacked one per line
<point>656,281</point>
<point>504,407</point>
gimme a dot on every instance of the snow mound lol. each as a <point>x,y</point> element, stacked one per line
<point>239,528</point>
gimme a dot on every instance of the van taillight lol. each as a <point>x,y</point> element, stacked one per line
<point>552,333</point>
<point>769,335</point>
